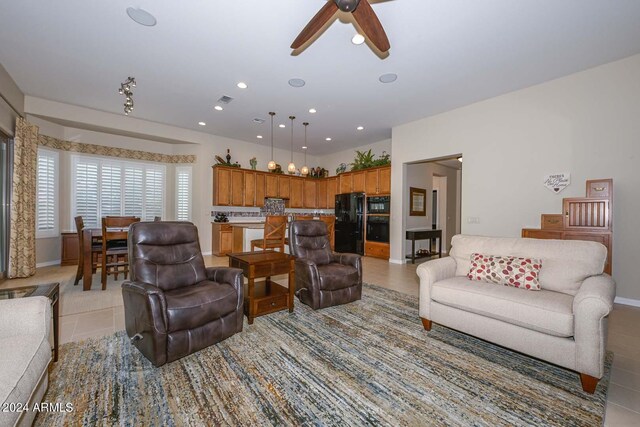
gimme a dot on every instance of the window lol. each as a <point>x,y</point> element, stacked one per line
<point>46,194</point>
<point>103,187</point>
<point>183,193</point>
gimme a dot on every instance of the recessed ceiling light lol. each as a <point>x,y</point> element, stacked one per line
<point>141,16</point>
<point>357,39</point>
<point>313,110</point>
<point>360,128</point>
<point>304,147</point>
<point>297,82</point>
<point>327,139</point>
<point>202,123</point>
<point>282,126</point>
<point>242,85</point>
<point>259,136</point>
<point>388,78</point>
<point>219,108</point>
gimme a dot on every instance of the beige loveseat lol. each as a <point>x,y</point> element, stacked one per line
<point>564,323</point>
<point>25,353</point>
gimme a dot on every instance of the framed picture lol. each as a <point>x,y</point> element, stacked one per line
<point>417,201</point>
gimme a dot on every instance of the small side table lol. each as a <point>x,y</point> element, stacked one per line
<point>266,296</point>
<point>425,234</point>
<point>49,290</point>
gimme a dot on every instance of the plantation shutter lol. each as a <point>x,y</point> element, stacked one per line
<point>183,194</point>
<point>154,193</point>
<point>133,191</point>
<point>46,192</point>
<point>86,191</point>
<point>111,190</point>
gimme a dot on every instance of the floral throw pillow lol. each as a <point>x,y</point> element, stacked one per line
<point>520,273</point>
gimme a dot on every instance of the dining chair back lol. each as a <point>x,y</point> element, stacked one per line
<point>331,227</point>
<point>275,229</point>
<point>96,249</point>
<point>114,246</point>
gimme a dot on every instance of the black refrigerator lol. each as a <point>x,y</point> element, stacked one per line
<point>349,231</point>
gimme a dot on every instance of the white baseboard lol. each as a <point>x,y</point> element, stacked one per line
<point>48,263</point>
<point>396,261</point>
<point>207,253</point>
<point>627,301</point>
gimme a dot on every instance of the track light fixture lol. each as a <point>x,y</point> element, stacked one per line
<point>125,89</point>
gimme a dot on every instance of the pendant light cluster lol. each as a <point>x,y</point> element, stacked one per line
<point>304,170</point>
<point>272,163</point>
<point>291,168</point>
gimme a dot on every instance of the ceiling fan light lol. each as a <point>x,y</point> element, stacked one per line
<point>358,39</point>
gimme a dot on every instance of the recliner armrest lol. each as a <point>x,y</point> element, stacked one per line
<point>354,260</point>
<point>232,276</point>
<point>142,288</point>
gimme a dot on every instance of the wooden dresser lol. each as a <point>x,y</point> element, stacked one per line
<point>583,218</point>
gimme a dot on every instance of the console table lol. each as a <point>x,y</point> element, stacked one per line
<point>425,234</point>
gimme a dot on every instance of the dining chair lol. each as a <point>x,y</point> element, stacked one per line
<point>275,229</point>
<point>302,217</point>
<point>114,246</point>
<point>96,250</point>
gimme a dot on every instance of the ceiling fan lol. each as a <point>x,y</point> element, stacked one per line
<point>362,13</point>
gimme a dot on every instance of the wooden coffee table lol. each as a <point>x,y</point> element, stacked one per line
<point>51,291</point>
<point>266,296</point>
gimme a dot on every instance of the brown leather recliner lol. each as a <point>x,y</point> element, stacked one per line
<point>174,306</point>
<point>323,278</point>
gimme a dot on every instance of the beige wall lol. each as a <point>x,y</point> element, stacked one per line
<point>332,161</point>
<point>10,96</point>
<point>585,124</point>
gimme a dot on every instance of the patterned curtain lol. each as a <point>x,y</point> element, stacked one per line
<point>22,238</point>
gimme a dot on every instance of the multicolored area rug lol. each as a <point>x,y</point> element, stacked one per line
<point>365,363</point>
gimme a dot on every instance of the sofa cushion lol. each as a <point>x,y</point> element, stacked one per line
<point>195,305</point>
<point>545,311</point>
<point>521,273</point>
<point>565,263</point>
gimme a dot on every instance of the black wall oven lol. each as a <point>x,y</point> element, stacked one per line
<point>378,228</point>
<point>378,205</point>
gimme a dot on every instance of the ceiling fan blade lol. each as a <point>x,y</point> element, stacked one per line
<point>371,26</point>
<point>316,23</point>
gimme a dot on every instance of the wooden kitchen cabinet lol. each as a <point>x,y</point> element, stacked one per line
<point>321,194</point>
<point>332,190</point>
<point>310,188</point>
<point>270,185</point>
<point>284,186</point>
<point>249,188</point>
<point>237,187</point>
<point>346,183</point>
<point>221,186</point>
<point>260,189</point>
<point>358,182</point>
<point>378,181</point>
<point>296,198</point>
<point>221,238</point>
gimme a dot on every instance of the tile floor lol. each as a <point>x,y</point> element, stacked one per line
<point>623,403</point>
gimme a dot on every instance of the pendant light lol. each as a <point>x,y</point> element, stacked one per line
<point>272,163</point>
<point>304,171</point>
<point>292,166</point>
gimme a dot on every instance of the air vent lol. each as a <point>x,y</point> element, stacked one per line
<point>225,99</point>
<point>258,121</point>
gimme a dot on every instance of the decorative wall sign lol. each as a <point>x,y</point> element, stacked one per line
<point>557,182</point>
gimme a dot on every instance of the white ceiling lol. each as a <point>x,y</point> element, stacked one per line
<point>447,53</point>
